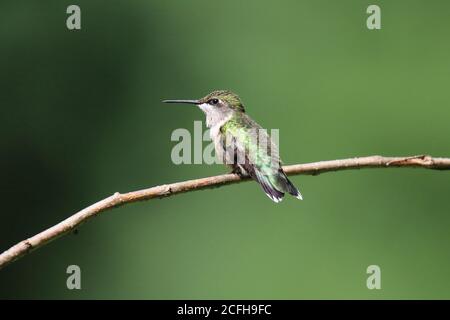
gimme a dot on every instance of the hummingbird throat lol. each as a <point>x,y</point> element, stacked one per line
<point>215,116</point>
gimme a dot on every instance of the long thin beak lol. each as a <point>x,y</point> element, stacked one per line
<point>182,101</point>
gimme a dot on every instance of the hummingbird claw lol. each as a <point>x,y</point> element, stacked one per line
<point>237,171</point>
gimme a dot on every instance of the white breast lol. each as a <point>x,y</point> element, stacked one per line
<point>216,138</point>
<point>215,129</point>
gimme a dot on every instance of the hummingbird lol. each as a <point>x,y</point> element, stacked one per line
<point>243,144</point>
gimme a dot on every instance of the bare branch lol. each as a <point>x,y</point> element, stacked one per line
<point>117,199</point>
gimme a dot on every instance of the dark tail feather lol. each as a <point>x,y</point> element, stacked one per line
<point>290,188</point>
<point>268,188</point>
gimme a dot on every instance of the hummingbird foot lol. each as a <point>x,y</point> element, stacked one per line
<point>237,170</point>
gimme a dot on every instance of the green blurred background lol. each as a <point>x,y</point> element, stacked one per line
<point>82,118</point>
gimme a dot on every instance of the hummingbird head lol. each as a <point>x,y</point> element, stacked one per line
<point>217,105</point>
<point>223,99</point>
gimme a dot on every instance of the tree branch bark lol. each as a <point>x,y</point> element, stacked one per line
<point>22,248</point>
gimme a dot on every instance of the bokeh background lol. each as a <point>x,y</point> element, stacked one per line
<point>81,118</point>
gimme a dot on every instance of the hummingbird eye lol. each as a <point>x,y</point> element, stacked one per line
<point>213,101</point>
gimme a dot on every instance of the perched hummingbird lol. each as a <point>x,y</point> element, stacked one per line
<point>238,138</point>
